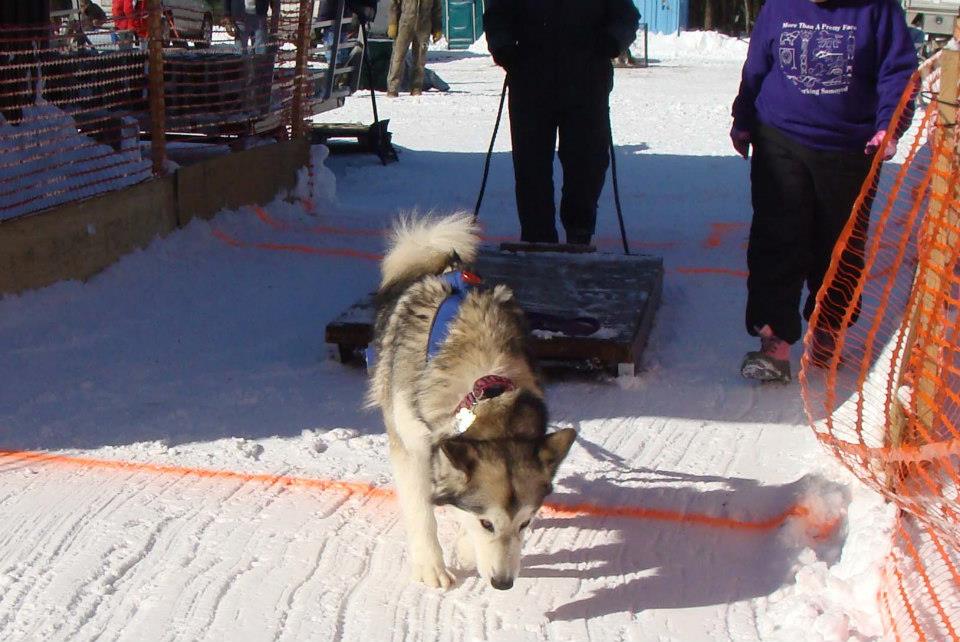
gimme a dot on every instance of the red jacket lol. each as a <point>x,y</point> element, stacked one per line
<point>128,15</point>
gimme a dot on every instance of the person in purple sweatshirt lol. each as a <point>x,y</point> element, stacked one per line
<point>820,85</point>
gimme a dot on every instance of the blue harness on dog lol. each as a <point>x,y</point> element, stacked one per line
<point>460,282</point>
<point>489,386</point>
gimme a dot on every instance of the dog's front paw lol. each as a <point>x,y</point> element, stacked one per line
<point>433,573</point>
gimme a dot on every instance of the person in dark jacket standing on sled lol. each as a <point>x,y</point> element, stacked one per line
<point>557,57</point>
<point>820,86</point>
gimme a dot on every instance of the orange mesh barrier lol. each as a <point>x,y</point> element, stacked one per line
<point>91,102</point>
<point>881,363</point>
<point>67,124</point>
<point>920,594</point>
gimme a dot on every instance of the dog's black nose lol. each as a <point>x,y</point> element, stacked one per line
<point>502,584</point>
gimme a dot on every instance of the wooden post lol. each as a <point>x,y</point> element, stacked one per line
<point>158,116</point>
<point>943,220</point>
<point>298,111</point>
<point>940,222</point>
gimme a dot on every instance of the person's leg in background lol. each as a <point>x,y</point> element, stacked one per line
<point>778,253</point>
<point>252,26</point>
<point>418,47</point>
<point>260,38</point>
<point>238,13</point>
<point>584,154</point>
<point>405,33</point>
<point>533,131</point>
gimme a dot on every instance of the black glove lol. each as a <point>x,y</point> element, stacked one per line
<point>506,56</point>
<point>609,47</point>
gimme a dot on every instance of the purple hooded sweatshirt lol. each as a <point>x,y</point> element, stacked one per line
<point>830,74</point>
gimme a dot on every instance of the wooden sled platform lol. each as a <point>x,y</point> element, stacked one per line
<point>586,310</point>
<point>370,139</point>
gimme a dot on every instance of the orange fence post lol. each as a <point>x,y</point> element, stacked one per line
<point>155,89</point>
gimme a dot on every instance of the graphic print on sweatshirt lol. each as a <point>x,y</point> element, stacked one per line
<point>818,58</point>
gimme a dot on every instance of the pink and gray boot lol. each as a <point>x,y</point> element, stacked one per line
<point>771,362</point>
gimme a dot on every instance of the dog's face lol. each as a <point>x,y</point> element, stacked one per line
<point>496,487</point>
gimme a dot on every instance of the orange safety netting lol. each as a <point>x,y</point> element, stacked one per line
<point>920,591</point>
<point>91,103</point>
<point>67,124</point>
<point>881,366</point>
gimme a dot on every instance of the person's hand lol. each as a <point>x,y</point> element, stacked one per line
<point>889,152</point>
<point>392,31</point>
<point>741,141</point>
<point>506,56</point>
<point>437,35</point>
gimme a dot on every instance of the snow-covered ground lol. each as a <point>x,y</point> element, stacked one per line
<point>206,352</point>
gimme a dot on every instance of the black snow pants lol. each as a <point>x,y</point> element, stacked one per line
<point>802,200</point>
<point>583,126</point>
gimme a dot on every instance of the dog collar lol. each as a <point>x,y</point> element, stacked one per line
<point>486,387</point>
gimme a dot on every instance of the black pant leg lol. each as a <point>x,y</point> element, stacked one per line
<point>533,131</point>
<point>838,178</point>
<point>778,254</point>
<point>584,154</point>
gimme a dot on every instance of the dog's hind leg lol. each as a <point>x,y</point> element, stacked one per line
<point>412,472</point>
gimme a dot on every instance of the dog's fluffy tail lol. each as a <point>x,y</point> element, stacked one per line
<point>425,245</point>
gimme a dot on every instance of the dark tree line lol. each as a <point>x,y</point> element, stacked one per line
<point>732,17</point>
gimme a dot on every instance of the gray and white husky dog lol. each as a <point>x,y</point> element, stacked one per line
<point>467,426</point>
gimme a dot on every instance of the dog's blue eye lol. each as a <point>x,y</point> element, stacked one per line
<point>525,524</point>
<point>487,525</point>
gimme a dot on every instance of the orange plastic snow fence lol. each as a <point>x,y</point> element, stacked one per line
<point>79,92</point>
<point>886,399</point>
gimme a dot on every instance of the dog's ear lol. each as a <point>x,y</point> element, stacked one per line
<point>528,417</point>
<point>554,448</point>
<point>461,453</point>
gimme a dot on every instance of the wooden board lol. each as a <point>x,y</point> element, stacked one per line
<point>568,248</point>
<point>621,292</point>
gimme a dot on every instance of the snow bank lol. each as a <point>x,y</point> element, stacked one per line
<point>480,46</point>
<point>834,602</point>
<point>45,161</point>
<point>686,45</point>
<point>692,45</point>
